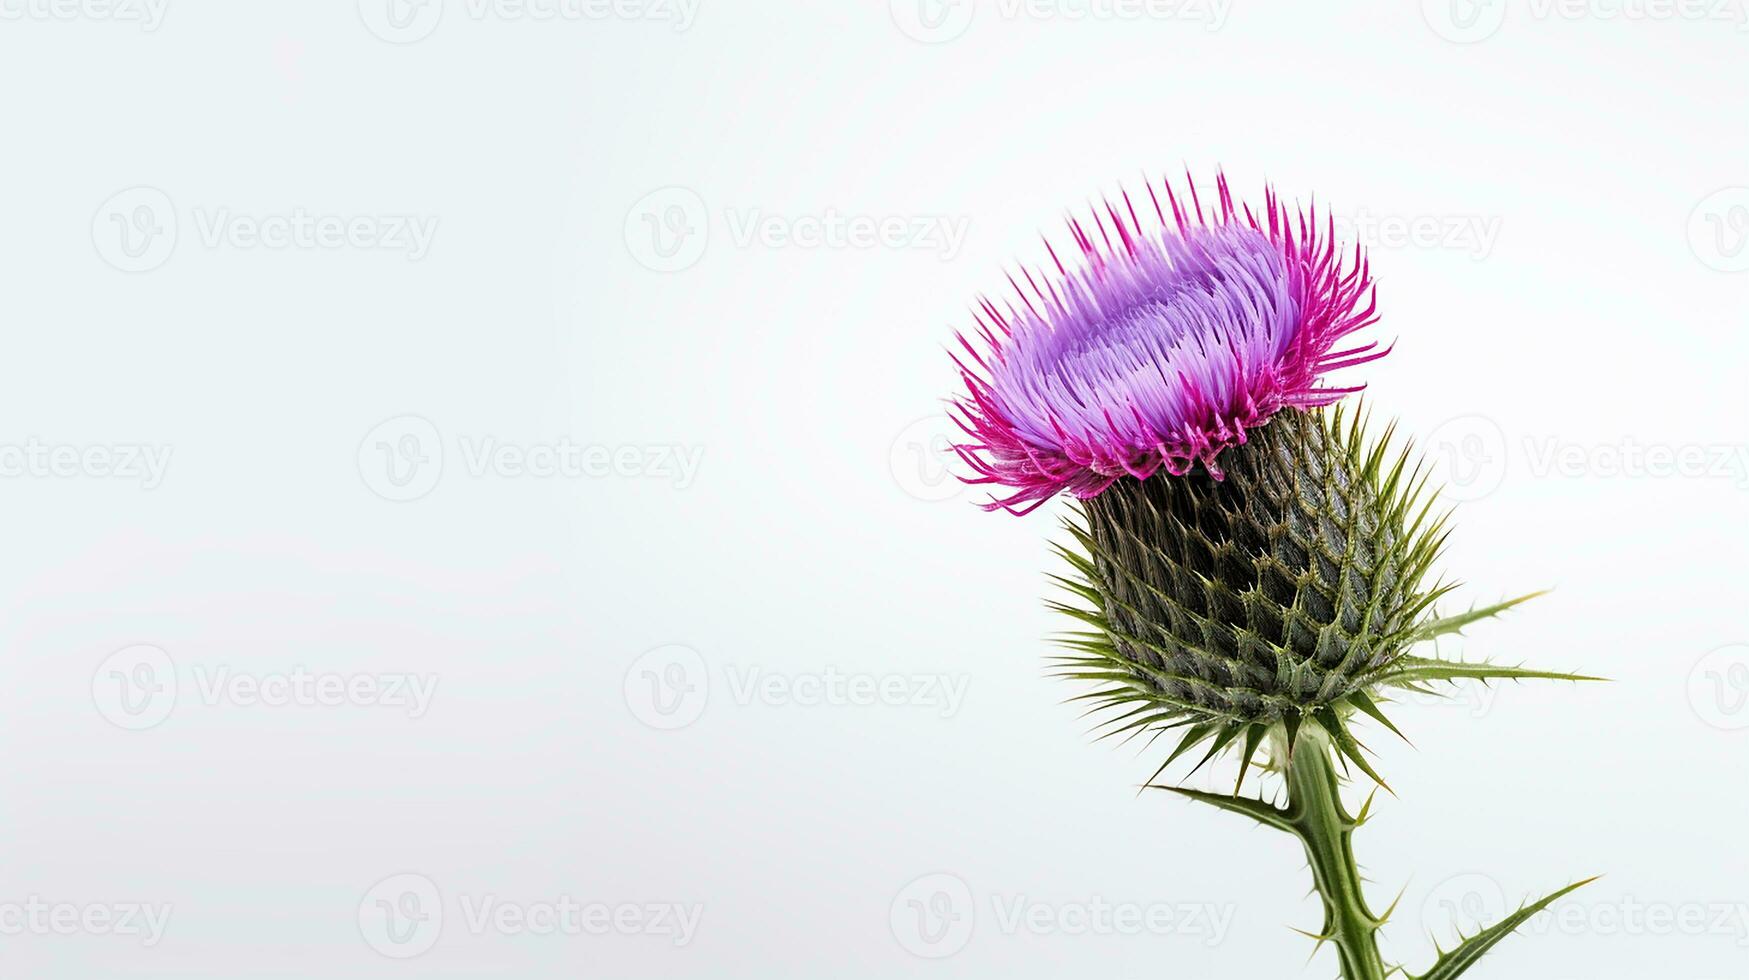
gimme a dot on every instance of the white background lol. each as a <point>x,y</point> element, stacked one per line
<point>1555,200</point>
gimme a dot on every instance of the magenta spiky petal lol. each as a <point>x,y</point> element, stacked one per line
<point>1162,349</point>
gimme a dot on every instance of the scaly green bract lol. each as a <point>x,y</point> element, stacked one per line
<point>1276,604</point>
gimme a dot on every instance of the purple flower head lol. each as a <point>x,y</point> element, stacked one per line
<point>1162,349</point>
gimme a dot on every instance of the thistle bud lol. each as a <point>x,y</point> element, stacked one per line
<point>1282,592</point>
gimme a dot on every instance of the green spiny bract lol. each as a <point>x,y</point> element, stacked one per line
<point>1288,591</point>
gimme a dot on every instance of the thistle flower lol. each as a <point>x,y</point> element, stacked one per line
<point>1252,566</point>
<point>1162,349</point>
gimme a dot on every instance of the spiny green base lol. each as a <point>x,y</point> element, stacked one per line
<point>1287,594</point>
<point>1315,816</point>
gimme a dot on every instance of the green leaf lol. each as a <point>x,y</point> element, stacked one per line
<point>1454,624</point>
<point>1352,750</point>
<point>1361,700</point>
<point>1455,962</point>
<point>1405,671</point>
<point>1194,736</point>
<point>1264,813</point>
<point>1253,738</point>
<point>1222,740</point>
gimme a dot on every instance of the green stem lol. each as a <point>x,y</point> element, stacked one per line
<point>1315,813</point>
